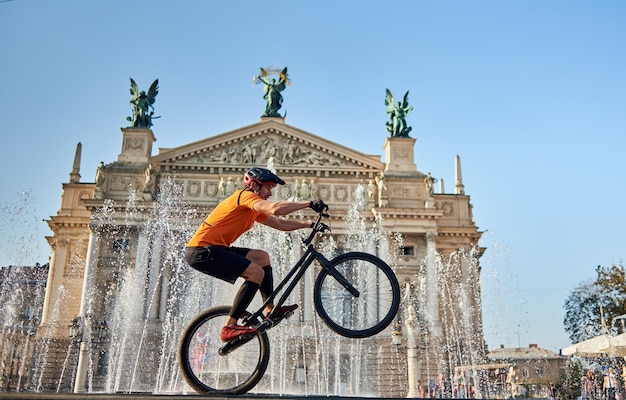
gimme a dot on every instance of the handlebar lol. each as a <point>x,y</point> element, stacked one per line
<point>318,227</point>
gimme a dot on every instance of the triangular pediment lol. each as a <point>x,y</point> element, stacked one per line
<point>290,149</point>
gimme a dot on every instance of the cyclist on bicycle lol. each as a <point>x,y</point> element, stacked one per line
<point>210,251</point>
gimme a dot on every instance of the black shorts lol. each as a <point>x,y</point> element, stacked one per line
<point>225,263</point>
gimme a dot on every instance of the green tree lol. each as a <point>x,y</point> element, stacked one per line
<point>583,318</point>
<point>571,377</point>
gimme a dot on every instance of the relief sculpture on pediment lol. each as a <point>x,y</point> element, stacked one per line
<point>260,150</point>
<point>248,152</point>
<point>289,153</point>
<point>220,157</point>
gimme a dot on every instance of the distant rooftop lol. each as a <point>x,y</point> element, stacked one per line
<point>14,272</point>
<point>532,352</point>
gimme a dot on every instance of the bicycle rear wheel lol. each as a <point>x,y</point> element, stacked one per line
<point>366,314</point>
<point>205,370</point>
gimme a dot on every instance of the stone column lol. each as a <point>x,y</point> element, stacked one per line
<point>141,265</point>
<point>432,292</point>
<point>90,265</point>
<point>55,280</point>
<point>413,364</point>
<point>153,294</point>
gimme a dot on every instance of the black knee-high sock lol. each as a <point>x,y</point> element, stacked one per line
<point>267,284</point>
<point>243,298</point>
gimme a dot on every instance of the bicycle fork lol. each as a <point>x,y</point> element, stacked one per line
<point>325,263</point>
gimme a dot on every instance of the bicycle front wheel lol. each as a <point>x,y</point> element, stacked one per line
<point>206,370</point>
<point>367,313</point>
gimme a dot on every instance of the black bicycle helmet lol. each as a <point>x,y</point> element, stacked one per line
<point>261,176</point>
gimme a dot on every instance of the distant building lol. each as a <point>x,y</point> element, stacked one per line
<point>22,291</point>
<point>534,367</point>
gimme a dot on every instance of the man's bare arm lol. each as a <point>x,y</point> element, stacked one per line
<point>279,207</point>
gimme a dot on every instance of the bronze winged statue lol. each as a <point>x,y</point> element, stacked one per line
<point>272,89</point>
<point>143,109</point>
<point>398,112</point>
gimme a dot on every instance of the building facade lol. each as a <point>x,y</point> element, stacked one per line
<point>117,267</point>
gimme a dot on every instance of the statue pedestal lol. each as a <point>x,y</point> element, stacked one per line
<point>399,154</point>
<point>277,119</point>
<point>136,145</point>
<point>429,202</point>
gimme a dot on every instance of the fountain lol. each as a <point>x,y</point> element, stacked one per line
<point>21,290</point>
<point>453,348</point>
<point>147,306</point>
<point>146,332</point>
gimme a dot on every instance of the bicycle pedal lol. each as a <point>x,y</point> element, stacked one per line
<point>282,317</point>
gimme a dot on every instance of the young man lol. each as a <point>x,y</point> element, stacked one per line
<point>209,250</point>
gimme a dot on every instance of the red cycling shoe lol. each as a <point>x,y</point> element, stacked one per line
<point>232,332</point>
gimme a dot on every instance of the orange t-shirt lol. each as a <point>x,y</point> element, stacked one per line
<point>229,220</point>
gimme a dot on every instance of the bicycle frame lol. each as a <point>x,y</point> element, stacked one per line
<point>296,273</point>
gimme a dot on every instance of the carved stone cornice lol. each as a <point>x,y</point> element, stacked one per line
<point>406,213</point>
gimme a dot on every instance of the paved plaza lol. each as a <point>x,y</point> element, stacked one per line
<point>146,396</point>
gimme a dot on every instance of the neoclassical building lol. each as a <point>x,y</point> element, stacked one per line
<point>117,275</point>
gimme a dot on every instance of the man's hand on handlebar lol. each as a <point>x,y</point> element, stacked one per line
<point>320,227</point>
<point>318,206</point>
<point>323,228</point>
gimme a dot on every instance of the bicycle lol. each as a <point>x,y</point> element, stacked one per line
<point>356,294</point>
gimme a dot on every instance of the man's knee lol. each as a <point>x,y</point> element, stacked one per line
<point>259,257</point>
<point>253,273</point>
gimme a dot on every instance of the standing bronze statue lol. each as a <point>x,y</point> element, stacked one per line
<point>272,89</point>
<point>398,113</point>
<point>143,111</point>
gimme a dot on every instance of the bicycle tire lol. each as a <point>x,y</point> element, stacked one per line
<point>206,371</point>
<point>370,312</point>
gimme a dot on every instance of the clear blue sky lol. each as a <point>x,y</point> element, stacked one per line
<point>531,94</point>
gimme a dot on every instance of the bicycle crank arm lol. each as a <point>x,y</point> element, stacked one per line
<point>235,344</point>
